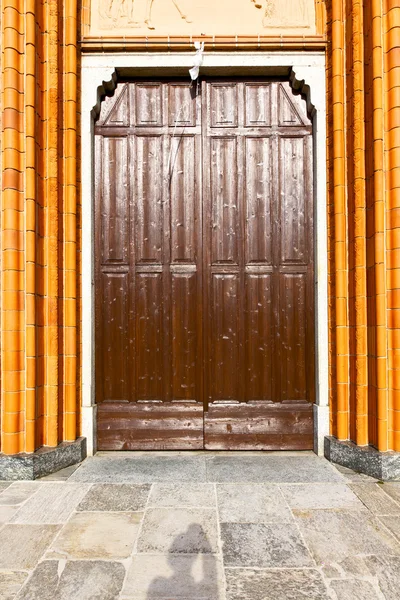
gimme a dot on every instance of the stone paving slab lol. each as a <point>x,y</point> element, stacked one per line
<point>97,536</point>
<point>393,524</point>
<point>282,584</point>
<point>350,567</point>
<point>252,503</point>
<point>276,469</point>
<point>376,499</point>
<point>386,569</point>
<point>115,497</point>
<point>264,546</point>
<point>365,576</point>
<point>178,531</point>
<point>321,495</point>
<point>143,469</point>
<point>351,576</point>
<point>7,513</point>
<point>62,474</point>
<point>22,546</point>
<point>188,577</point>
<point>75,580</point>
<point>183,495</point>
<point>200,526</point>
<point>19,492</point>
<point>333,535</point>
<point>354,589</point>
<point>10,583</point>
<point>393,489</point>
<point>52,503</point>
<point>352,476</point>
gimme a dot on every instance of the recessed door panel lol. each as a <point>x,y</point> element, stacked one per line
<point>224,201</point>
<point>259,339</point>
<point>258,200</point>
<point>115,352</point>
<point>184,328</point>
<point>148,199</point>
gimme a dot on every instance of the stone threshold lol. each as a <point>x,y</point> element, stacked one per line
<point>44,461</point>
<point>384,466</point>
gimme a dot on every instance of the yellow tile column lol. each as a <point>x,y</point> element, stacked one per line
<point>340,212</point>
<point>69,186</point>
<point>379,226</point>
<point>14,342</point>
<point>38,223</point>
<point>392,169</point>
<point>51,224</point>
<point>357,226</point>
<point>30,216</point>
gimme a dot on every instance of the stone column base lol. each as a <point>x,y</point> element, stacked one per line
<point>363,459</point>
<point>43,462</point>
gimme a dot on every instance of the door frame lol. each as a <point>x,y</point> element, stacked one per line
<point>306,72</point>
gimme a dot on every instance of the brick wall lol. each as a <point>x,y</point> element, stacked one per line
<point>38,219</point>
<point>41,230</point>
<point>364,236</point>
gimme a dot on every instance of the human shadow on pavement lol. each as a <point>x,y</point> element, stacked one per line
<point>194,569</point>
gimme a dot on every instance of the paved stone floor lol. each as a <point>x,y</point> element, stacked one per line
<point>196,526</point>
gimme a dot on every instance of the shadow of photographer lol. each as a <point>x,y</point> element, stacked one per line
<point>194,569</point>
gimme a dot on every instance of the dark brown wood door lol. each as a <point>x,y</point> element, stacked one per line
<point>204,267</point>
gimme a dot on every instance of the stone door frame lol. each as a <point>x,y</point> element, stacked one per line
<point>307,73</point>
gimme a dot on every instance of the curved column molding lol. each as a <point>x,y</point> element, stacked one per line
<point>308,80</point>
<point>92,92</point>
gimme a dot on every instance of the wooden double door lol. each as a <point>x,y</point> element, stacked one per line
<point>204,267</point>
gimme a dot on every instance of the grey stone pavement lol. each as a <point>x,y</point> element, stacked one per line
<point>200,526</point>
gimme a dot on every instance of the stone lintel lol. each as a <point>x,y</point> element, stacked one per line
<point>363,459</point>
<point>44,461</point>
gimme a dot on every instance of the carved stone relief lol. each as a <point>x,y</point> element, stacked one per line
<point>202,17</point>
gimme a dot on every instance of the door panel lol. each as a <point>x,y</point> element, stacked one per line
<point>258,199</point>
<point>259,337</point>
<point>158,335</point>
<point>115,336</point>
<point>148,199</point>
<point>145,426</point>
<point>258,426</point>
<point>293,337</point>
<point>223,105</point>
<point>294,238</point>
<point>224,337</point>
<point>257,105</point>
<point>224,201</point>
<point>149,336</point>
<point>115,208</point>
<point>204,267</point>
<point>183,207</point>
<point>258,257</point>
<point>148,105</point>
<point>184,336</point>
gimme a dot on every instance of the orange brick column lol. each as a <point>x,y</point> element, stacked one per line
<point>338,229</point>
<point>364,221</point>
<point>14,341</point>
<point>391,30</point>
<point>356,193</point>
<point>39,400</point>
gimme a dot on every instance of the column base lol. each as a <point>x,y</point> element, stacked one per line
<point>363,459</point>
<point>44,461</point>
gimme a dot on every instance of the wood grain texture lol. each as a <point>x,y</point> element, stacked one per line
<point>258,426</point>
<point>204,278</point>
<point>150,426</point>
